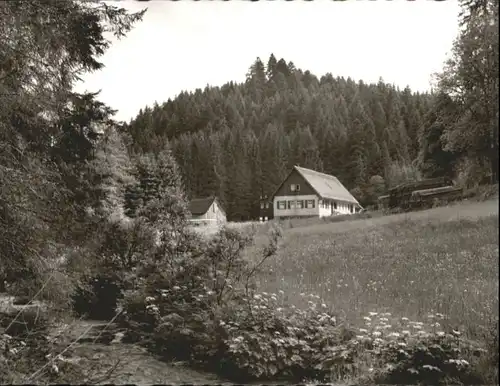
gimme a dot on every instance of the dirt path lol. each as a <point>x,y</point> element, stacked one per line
<point>122,363</point>
<point>117,363</point>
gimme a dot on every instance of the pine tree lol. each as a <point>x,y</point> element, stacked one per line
<point>271,67</point>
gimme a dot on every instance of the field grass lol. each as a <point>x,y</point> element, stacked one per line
<point>443,260</point>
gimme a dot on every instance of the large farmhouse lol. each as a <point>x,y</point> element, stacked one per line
<point>308,193</point>
<point>206,211</point>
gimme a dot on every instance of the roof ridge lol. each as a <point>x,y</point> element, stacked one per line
<point>315,171</point>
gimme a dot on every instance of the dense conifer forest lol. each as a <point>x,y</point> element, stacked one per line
<point>239,141</point>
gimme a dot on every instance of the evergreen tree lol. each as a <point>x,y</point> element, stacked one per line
<point>470,77</point>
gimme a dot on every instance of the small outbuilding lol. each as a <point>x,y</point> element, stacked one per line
<point>207,211</point>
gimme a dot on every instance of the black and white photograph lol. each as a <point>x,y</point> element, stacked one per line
<point>249,192</point>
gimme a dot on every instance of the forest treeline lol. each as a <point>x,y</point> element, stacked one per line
<point>239,141</point>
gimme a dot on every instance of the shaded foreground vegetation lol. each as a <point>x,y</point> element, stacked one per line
<point>398,299</point>
<point>93,224</point>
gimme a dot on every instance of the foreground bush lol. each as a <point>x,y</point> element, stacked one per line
<point>397,350</point>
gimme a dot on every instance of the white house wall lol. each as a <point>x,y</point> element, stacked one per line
<point>324,211</point>
<point>219,213</point>
<point>343,208</point>
<point>319,210</point>
<point>295,212</point>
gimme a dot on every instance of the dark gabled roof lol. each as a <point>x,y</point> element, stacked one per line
<point>199,206</point>
<point>325,185</point>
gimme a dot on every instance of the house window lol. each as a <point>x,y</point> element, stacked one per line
<point>352,208</point>
<point>265,218</point>
<point>261,205</point>
<point>334,205</point>
<point>300,204</point>
<point>267,205</point>
<point>295,187</point>
<point>291,204</point>
<point>310,204</point>
<point>281,205</point>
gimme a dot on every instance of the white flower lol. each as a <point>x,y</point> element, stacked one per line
<point>176,287</point>
<point>367,318</point>
<point>376,333</point>
<point>323,305</point>
<point>363,330</point>
<point>384,319</point>
<point>404,318</point>
<point>456,332</point>
<point>440,333</point>
<point>373,313</point>
<point>405,332</point>
<point>394,334</point>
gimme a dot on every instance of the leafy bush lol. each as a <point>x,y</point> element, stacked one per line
<point>110,264</point>
<point>397,351</point>
<point>265,338</point>
<point>98,298</point>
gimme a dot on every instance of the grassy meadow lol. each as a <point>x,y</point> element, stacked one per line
<point>438,261</point>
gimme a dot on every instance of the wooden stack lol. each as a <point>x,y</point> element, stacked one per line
<point>421,193</point>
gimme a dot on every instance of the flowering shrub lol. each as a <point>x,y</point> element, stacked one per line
<point>187,286</point>
<point>265,338</point>
<point>397,350</point>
